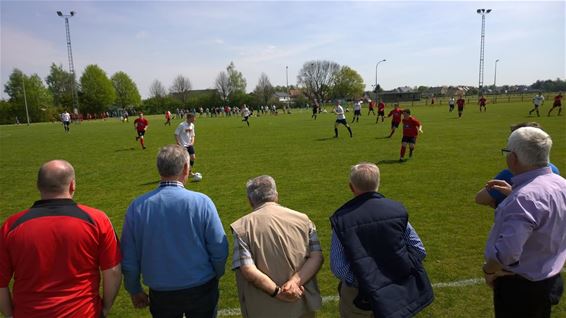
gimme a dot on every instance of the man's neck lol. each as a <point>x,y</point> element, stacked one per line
<point>173,179</point>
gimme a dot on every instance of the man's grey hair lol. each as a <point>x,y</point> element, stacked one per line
<point>531,145</point>
<point>262,189</point>
<point>365,177</point>
<point>171,160</point>
<point>55,176</point>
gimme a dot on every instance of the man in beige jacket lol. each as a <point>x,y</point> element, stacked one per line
<point>276,257</point>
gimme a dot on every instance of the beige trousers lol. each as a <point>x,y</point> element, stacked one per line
<point>346,305</point>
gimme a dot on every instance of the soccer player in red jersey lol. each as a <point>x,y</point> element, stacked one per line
<point>411,129</point>
<point>395,113</point>
<point>482,101</point>
<point>141,126</point>
<point>56,253</point>
<point>371,107</point>
<point>460,102</point>
<point>380,111</point>
<point>168,118</point>
<point>557,104</point>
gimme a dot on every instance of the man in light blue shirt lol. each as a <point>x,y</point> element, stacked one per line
<point>173,237</point>
<point>526,248</point>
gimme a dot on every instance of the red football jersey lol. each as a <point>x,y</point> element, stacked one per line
<point>140,124</point>
<point>381,106</point>
<point>558,100</point>
<point>482,101</point>
<point>460,102</point>
<point>55,252</point>
<point>396,113</point>
<point>411,127</point>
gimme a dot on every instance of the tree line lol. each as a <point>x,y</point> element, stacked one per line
<point>97,93</point>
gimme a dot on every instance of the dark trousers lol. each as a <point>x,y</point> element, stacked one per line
<point>195,302</point>
<point>516,297</point>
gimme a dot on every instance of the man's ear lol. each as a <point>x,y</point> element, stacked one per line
<point>352,188</point>
<point>72,187</point>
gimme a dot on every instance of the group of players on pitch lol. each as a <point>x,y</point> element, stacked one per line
<point>411,126</point>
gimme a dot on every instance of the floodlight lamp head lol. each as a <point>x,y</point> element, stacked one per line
<point>488,11</point>
<point>479,11</point>
<point>59,13</point>
<point>72,13</point>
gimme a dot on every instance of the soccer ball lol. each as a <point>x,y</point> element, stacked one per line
<point>197,177</point>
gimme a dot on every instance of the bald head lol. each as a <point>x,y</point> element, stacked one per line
<point>56,179</point>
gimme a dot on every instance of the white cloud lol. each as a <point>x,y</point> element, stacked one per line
<point>141,35</point>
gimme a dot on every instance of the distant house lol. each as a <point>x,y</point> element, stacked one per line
<point>282,97</point>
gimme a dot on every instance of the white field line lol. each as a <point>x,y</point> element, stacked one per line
<point>325,299</point>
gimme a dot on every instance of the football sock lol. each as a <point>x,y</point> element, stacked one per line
<point>191,163</point>
<point>335,132</point>
<point>350,130</point>
<point>411,152</point>
<point>403,149</point>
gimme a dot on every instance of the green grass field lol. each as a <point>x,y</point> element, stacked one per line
<point>453,160</point>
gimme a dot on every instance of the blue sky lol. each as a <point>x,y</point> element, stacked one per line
<point>425,42</point>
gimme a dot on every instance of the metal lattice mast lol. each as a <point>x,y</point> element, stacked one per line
<point>70,57</point>
<point>483,12</point>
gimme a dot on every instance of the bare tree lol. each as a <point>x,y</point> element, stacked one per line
<point>157,89</point>
<point>317,78</point>
<point>181,88</point>
<point>264,89</point>
<point>222,84</point>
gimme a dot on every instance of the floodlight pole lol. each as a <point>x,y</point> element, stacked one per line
<point>25,98</point>
<point>287,81</point>
<point>483,13</point>
<point>70,56</point>
<point>376,65</point>
<point>495,75</point>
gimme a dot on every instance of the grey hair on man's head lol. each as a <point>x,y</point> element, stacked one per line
<point>365,177</point>
<point>531,145</point>
<point>262,189</point>
<point>55,176</point>
<point>171,160</point>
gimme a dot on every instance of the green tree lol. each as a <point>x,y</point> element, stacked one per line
<point>222,84</point>
<point>264,89</point>
<point>97,92</point>
<point>127,94</point>
<point>236,81</point>
<point>60,84</point>
<point>38,98</point>
<point>348,84</point>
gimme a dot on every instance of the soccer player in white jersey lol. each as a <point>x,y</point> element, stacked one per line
<point>340,119</point>
<point>66,119</point>
<point>538,100</point>
<point>246,114</point>
<point>357,111</point>
<point>185,136</point>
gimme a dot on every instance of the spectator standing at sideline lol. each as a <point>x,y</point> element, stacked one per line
<point>385,251</point>
<point>276,257</point>
<point>174,239</point>
<point>526,248</point>
<point>56,251</point>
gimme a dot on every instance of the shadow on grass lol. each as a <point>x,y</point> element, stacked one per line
<point>384,137</point>
<point>125,149</point>
<point>390,161</point>
<point>325,139</point>
<point>150,183</point>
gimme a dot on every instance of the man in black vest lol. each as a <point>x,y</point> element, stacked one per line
<point>376,253</point>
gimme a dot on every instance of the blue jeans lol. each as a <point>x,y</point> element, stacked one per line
<point>194,302</point>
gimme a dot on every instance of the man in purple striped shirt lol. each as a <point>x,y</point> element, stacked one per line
<point>526,248</point>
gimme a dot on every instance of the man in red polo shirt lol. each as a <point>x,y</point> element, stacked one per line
<point>411,129</point>
<point>55,252</point>
<point>141,126</point>
<point>395,113</point>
